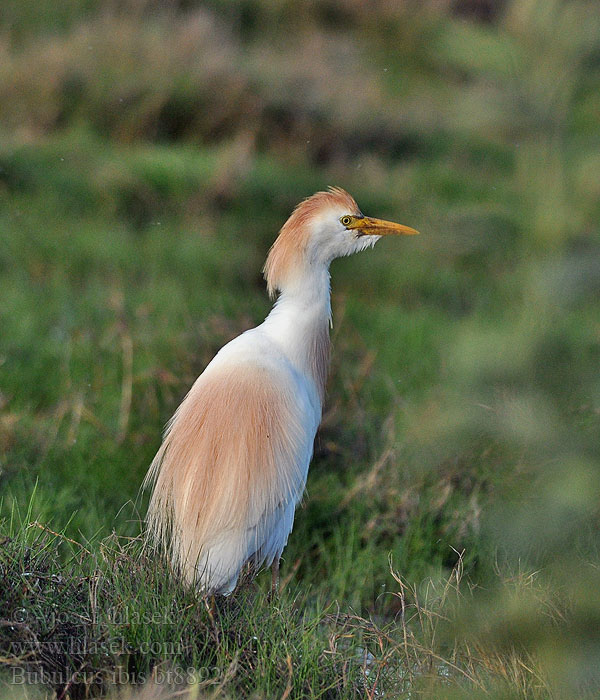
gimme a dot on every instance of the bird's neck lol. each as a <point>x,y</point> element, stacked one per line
<point>299,322</point>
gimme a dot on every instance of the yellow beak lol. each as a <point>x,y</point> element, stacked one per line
<point>378,227</point>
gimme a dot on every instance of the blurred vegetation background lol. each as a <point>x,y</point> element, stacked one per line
<point>149,152</point>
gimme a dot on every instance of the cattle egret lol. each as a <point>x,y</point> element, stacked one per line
<point>234,459</point>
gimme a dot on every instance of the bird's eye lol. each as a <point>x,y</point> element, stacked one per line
<point>346,220</point>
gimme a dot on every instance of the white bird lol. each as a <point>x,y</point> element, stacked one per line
<point>234,460</point>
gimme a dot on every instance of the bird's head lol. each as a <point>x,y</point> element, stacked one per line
<point>325,226</point>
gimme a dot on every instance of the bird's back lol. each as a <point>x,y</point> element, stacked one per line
<point>233,463</point>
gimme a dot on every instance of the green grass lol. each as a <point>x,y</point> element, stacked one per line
<point>447,545</point>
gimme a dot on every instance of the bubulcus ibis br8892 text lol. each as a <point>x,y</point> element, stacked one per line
<point>234,460</point>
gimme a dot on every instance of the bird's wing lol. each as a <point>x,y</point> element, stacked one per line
<point>233,464</point>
